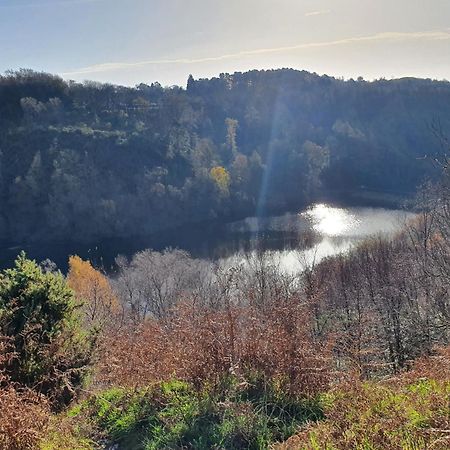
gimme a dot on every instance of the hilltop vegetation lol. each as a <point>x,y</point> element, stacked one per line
<point>89,161</point>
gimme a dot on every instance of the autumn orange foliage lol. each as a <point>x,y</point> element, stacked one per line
<point>93,289</point>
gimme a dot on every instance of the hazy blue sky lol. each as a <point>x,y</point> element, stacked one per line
<point>132,41</point>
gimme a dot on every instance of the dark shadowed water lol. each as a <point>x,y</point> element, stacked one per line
<point>293,239</point>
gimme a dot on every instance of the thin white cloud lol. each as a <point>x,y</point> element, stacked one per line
<point>38,4</point>
<point>318,13</point>
<point>379,37</point>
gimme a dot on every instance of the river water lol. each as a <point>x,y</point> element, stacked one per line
<point>292,240</point>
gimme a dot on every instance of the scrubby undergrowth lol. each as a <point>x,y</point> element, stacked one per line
<point>407,412</point>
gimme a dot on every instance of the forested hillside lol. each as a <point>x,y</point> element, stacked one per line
<point>88,161</point>
<point>174,352</point>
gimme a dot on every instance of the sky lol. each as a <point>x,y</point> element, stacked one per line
<point>132,41</point>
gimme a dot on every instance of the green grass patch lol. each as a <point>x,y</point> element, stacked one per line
<point>174,415</point>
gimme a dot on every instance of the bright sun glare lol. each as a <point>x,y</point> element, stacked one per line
<point>330,221</point>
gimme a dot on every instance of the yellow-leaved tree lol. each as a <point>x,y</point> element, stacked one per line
<point>93,289</point>
<point>222,179</point>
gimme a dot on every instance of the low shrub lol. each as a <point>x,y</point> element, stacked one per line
<point>45,348</point>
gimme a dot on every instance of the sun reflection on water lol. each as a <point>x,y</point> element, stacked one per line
<point>330,221</point>
<point>336,230</point>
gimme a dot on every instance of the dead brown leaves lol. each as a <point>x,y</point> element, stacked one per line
<point>24,414</point>
<point>203,346</point>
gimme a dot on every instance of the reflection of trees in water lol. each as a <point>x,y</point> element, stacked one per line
<point>265,241</point>
<point>288,223</point>
<point>283,234</point>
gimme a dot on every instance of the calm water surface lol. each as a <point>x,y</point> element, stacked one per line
<point>320,231</point>
<point>292,240</point>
